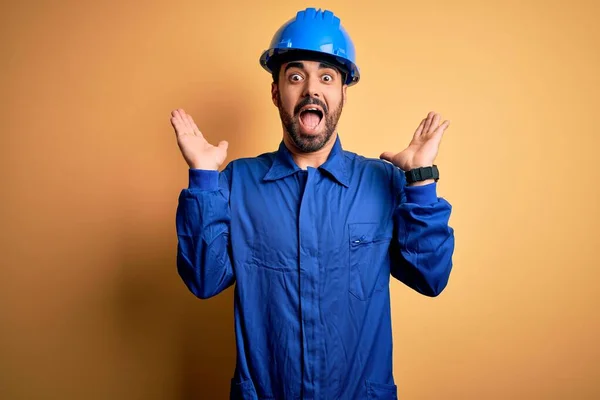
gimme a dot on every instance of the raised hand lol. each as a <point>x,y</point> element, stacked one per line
<point>423,148</point>
<point>197,152</point>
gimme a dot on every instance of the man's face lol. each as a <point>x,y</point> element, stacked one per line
<point>310,96</point>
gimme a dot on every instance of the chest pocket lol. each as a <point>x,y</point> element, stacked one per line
<point>369,259</point>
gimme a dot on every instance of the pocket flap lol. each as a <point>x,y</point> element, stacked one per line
<point>366,232</point>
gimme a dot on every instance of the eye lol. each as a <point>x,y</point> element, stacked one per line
<point>327,78</point>
<point>295,78</point>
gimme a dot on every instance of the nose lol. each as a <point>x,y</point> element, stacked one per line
<point>311,88</point>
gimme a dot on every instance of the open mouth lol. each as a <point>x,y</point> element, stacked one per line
<point>311,117</point>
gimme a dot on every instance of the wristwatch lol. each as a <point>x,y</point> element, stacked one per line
<point>422,174</point>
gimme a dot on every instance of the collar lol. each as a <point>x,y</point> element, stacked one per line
<point>284,165</point>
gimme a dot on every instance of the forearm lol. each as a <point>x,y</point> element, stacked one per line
<point>424,242</point>
<point>203,221</point>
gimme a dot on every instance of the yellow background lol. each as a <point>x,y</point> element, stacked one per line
<point>90,302</point>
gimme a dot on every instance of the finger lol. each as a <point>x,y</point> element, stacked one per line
<point>178,125</point>
<point>428,122</point>
<point>186,121</point>
<point>442,128</point>
<point>420,128</point>
<point>387,156</point>
<point>434,122</point>
<point>180,113</point>
<point>195,128</point>
<point>175,116</point>
<point>178,122</point>
<point>179,116</point>
<point>436,137</point>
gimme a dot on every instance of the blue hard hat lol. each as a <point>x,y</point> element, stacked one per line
<point>316,33</point>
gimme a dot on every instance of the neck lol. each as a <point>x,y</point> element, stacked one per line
<point>314,159</point>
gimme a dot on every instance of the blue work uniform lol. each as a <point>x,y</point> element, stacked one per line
<point>311,253</point>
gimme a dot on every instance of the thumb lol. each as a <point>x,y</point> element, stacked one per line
<point>387,155</point>
<point>223,144</point>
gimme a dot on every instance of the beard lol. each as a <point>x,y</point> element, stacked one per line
<point>309,143</point>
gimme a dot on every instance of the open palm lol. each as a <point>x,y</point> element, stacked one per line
<point>196,150</point>
<point>423,148</point>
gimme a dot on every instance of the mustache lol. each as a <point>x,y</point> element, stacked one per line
<point>310,101</point>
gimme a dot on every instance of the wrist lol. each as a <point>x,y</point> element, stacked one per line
<point>204,167</point>
<point>422,183</point>
<point>420,176</point>
<point>418,165</point>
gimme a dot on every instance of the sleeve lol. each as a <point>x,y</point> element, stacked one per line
<point>423,242</point>
<point>203,233</point>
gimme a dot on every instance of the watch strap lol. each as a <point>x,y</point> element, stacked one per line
<point>422,174</point>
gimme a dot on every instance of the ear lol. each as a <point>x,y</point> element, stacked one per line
<point>344,95</point>
<point>274,94</point>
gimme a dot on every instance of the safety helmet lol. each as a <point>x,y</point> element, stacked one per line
<point>315,34</point>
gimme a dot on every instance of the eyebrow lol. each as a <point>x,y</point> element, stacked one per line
<point>300,65</point>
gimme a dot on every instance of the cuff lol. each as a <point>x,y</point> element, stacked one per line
<point>422,195</point>
<point>203,179</point>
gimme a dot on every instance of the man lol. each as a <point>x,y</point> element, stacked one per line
<point>311,233</point>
